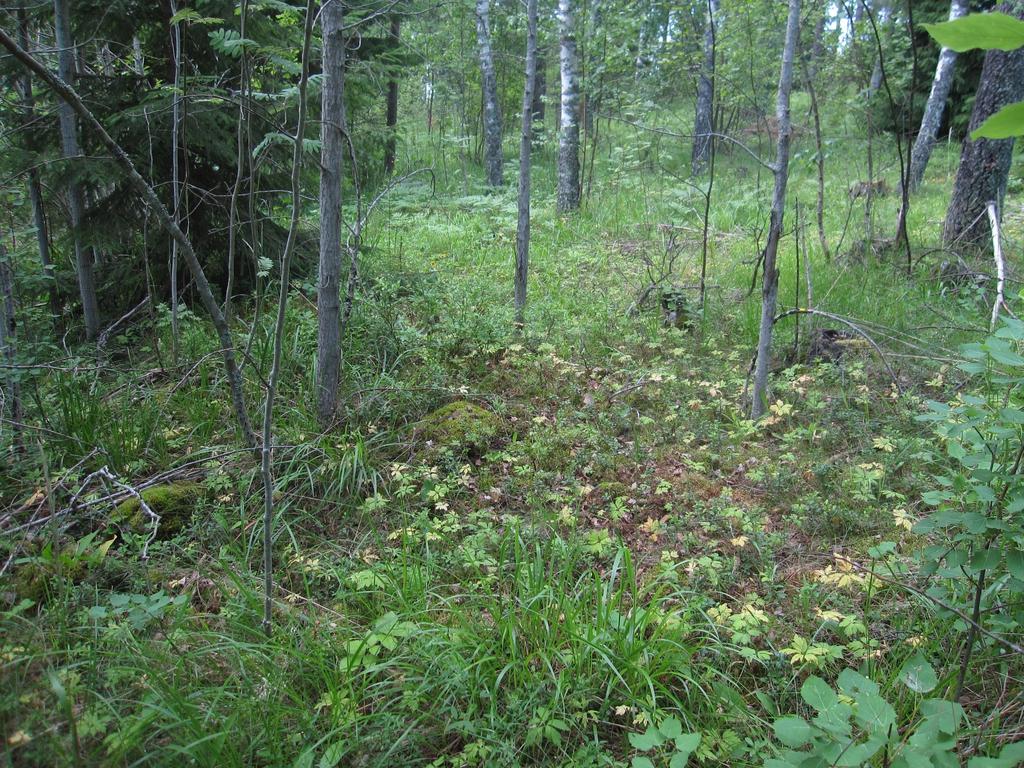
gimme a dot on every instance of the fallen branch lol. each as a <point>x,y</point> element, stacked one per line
<point>109,478</point>
<point>997,250</point>
<point>853,327</point>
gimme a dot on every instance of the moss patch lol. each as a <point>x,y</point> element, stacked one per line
<point>174,502</point>
<point>461,426</point>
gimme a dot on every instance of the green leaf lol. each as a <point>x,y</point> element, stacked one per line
<point>979,30</point>
<point>332,755</point>
<point>671,728</point>
<point>793,731</point>
<point>945,715</point>
<point>918,675</point>
<point>1004,124</point>
<point>985,560</point>
<point>818,694</point>
<point>649,739</point>
<point>642,762</point>
<point>1015,563</point>
<point>686,743</point>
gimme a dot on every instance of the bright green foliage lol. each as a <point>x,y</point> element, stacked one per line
<point>1007,122</point>
<point>977,524</point>
<point>979,30</point>
<point>988,31</point>
<point>666,742</point>
<point>855,725</point>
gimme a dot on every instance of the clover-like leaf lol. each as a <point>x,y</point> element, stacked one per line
<point>918,675</point>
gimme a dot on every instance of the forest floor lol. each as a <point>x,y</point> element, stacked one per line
<point>513,551</point>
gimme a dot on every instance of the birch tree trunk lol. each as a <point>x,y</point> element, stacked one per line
<point>985,164</point>
<point>703,118</point>
<point>933,110</point>
<point>35,189</point>
<point>332,145</point>
<point>489,84</point>
<point>523,227</point>
<point>72,149</point>
<point>770,279</point>
<point>569,132</point>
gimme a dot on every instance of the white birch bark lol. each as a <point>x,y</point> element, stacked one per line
<point>569,132</point>
<point>930,121</point>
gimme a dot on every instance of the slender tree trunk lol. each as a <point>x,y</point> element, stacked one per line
<point>241,150</point>
<point>985,163</point>
<point>8,344</point>
<point>72,149</point>
<point>68,95</point>
<point>266,467</point>
<point>523,228</point>
<point>391,118</point>
<point>489,85</point>
<point>175,177</point>
<point>810,81</point>
<point>138,61</point>
<point>332,146</point>
<point>591,83</point>
<point>819,152</point>
<point>770,280</point>
<point>818,47</point>
<point>703,119</point>
<point>933,110</point>
<point>35,189</point>
<point>537,108</point>
<point>569,133</point>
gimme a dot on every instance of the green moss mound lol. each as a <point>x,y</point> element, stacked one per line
<point>174,502</point>
<point>462,427</point>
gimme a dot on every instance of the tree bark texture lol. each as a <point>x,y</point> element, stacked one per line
<point>568,198</point>
<point>489,84</point>
<point>985,164</point>
<point>703,119</point>
<point>936,105</point>
<point>525,146</point>
<point>770,278</point>
<point>72,149</point>
<point>332,147</point>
